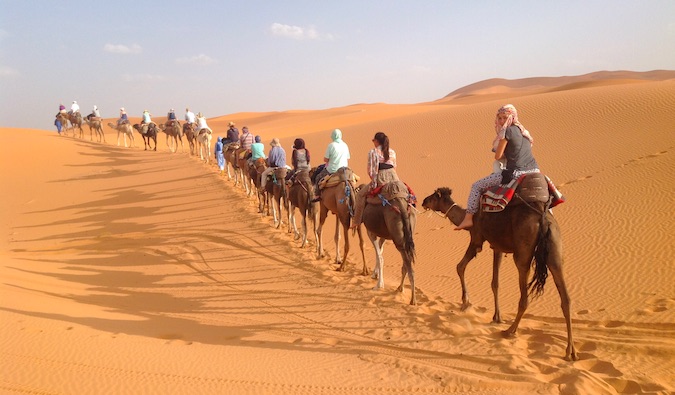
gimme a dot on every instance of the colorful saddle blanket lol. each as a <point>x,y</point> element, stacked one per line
<point>533,187</point>
<point>389,191</point>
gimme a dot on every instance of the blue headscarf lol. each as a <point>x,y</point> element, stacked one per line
<point>336,135</point>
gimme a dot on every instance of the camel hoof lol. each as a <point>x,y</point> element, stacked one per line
<point>465,306</point>
<point>399,289</point>
<point>377,287</point>
<point>374,276</point>
<point>508,334</point>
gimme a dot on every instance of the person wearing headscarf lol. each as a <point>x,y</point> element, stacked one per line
<point>220,158</point>
<point>96,112</point>
<point>74,108</point>
<point>381,170</point>
<point>300,156</point>
<point>336,157</point>
<point>512,146</point>
<point>275,159</point>
<point>189,116</point>
<point>123,117</point>
<point>201,124</point>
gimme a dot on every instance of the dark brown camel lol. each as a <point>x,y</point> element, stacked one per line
<point>76,121</point>
<point>395,220</point>
<point>255,172</point>
<point>189,132</point>
<point>94,124</point>
<point>300,196</point>
<point>528,231</point>
<point>277,196</point>
<point>174,133</point>
<point>149,133</point>
<point>339,200</point>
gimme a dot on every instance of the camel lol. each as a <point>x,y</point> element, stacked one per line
<point>189,132</point>
<point>95,124</point>
<point>64,121</point>
<point>300,196</point>
<point>204,145</point>
<point>395,220</point>
<point>528,231</point>
<point>277,195</point>
<point>150,133</point>
<point>173,131</point>
<point>245,175</point>
<point>255,172</point>
<point>123,129</point>
<point>339,200</point>
<point>76,121</point>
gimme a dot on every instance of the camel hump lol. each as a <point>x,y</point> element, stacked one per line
<point>530,188</point>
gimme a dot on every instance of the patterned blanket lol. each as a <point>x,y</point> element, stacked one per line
<point>533,187</point>
<point>392,190</point>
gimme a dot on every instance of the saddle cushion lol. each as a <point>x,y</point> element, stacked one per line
<point>389,191</point>
<point>533,187</point>
<point>334,179</point>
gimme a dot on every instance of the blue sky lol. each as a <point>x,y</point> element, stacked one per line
<point>221,57</point>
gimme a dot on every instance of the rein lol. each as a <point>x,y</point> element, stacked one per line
<point>445,215</point>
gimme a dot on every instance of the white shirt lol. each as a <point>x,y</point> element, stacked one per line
<point>190,117</point>
<point>75,107</point>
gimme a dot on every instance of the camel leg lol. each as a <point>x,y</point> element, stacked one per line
<point>523,266</point>
<point>407,268</point>
<point>496,262</point>
<point>378,271</point>
<point>461,268</point>
<point>296,234</point>
<point>338,261</point>
<point>319,232</point>
<point>554,264</point>
<point>365,270</point>
<point>118,138</point>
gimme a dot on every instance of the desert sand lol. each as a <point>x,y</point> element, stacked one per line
<point>127,271</point>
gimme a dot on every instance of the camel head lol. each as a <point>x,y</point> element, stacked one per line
<point>438,200</point>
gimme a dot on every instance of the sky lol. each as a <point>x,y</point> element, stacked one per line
<point>223,57</point>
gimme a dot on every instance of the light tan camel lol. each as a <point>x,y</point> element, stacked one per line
<point>204,145</point>
<point>64,122</point>
<point>529,232</point>
<point>124,129</point>
<point>339,200</point>
<point>174,133</point>
<point>95,125</point>
<point>300,196</point>
<point>392,219</point>
<point>148,133</point>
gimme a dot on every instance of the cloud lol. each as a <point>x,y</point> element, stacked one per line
<point>298,32</point>
<point>142,77</point>
<point>200,59</point>
<point>7,71</point>
<point>120,48</point>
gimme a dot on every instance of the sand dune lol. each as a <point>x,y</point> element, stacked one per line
<point>130,271</point>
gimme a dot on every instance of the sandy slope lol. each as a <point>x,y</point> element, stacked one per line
<point>127,271</point>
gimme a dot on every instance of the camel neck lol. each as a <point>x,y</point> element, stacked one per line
<point>455,214</point>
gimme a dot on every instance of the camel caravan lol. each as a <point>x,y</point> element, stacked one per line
<point>513,214</point>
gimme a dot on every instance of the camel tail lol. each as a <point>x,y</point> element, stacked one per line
<point>310,196</point>
<point>407,230</point>
<point>536,285</point>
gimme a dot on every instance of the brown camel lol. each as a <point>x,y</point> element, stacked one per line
<point>124,129</point>
<point>277,196</point>
<point>339,200</point>
<point>174,133</point>
<point>528,231</point>
<point>395,220</point>
<point>255,172</point>
<point>189,132</point>
<point>76,122</point>
<point>94,124</point>
<point>148,133</point>
<point>300,196</point>
<point>230,162</point>
<point>245,175</point>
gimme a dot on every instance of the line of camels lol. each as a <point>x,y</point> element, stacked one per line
<point>528,230</point>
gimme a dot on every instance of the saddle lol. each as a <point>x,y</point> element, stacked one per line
<point>232,146</point>
<point>343,174</point>
<point>278,176</point>
<point>391,190</point>
<point>259,165</point>
<point>530,188</point>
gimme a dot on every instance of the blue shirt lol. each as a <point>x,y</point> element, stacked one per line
<point>277,157</point>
